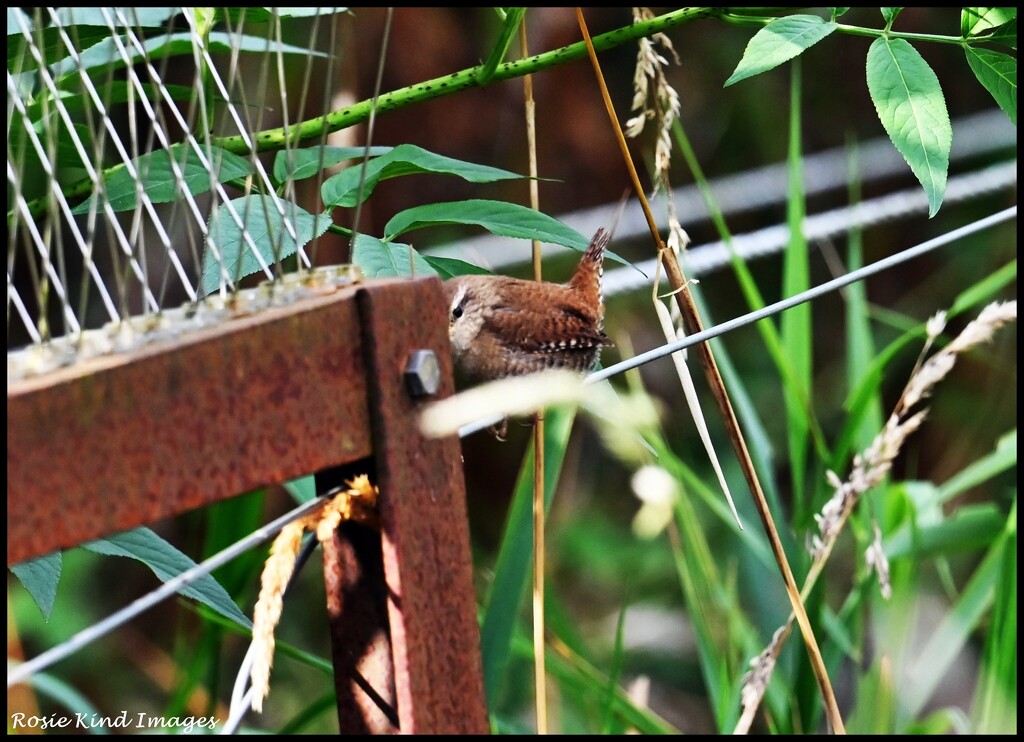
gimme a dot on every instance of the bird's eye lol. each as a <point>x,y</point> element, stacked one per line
<point>457,312</point>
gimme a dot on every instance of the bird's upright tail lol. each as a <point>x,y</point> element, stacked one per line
<point>587,278</point>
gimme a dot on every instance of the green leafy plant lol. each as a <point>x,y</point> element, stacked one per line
<point>904,89</point>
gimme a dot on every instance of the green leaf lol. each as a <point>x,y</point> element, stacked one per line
<point>106,55</point>
<point>450,267</point>
<point>264,15</point>
<point>1005,35</point>
<point>837,12</point>
<point>117,91</point>
<point>406,159</point>
<point>40,577</point>
<point>302,489</point>
<point>49,41</point>
<point>137,17</point>
<point>889,14</point>
<point>155,173</point>
<point>262,223</point>
<point>167,562</point>
<point>379,259</point>
<point>779,41</point>
<point>52,131</point>
<point>298,164</point>
<point>911,107</point>
<point>1003,458</point>
<point>977,21</point>
<point>998,73</point>
<point>498,217</point>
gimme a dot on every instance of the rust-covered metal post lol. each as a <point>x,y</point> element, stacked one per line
<point>427,568</point>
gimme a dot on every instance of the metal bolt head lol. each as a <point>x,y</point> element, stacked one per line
<point>422,374</point>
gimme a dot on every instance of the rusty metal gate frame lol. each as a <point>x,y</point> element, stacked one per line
<point>121,441</point>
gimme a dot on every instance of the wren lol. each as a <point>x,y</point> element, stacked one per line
<point>501,326</point>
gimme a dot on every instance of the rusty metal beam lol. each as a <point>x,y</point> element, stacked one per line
<point>435,637</point>
<point>125,440</point>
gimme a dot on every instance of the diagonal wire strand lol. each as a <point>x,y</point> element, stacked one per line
<point>780,306</point>
<point>90,634</point>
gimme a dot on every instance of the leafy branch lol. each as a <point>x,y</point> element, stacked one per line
<point>903,87</point>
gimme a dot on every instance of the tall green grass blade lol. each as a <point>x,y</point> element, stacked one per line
<point>875,710</point>
<point>515,557</point>
<point>51,687</point>
<point>327,703</point>
<point>860,345</point>
<point>985,289</point>
<point>969,528</point>
<point>575,673</point>
<point>699,578</point>
<point>615,673</point>
<point>995,701</point>
<point>934,660</point>
<point>796,322</point>
<point>1002,459</point>
<point>748,286</point>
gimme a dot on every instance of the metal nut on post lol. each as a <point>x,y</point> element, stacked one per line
<point>422,374</point>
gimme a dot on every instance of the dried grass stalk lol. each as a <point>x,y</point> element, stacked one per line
<point>358,503</point>
<point>869,468</point>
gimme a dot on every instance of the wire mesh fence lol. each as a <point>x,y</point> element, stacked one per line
<point>122,200</point>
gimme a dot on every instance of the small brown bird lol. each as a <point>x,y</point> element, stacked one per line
<point>501,326</point>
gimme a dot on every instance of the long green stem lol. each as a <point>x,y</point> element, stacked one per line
<point>750,20</point>
<point>273,139</point>
<point>313,129</point>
